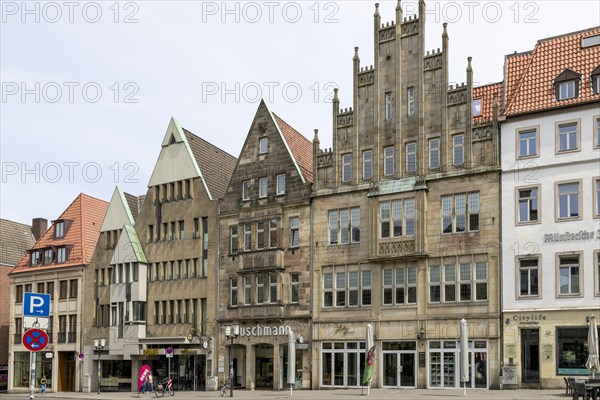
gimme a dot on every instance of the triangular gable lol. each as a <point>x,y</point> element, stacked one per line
<point>299,147</point>
<point>118,213</point>
<point>567,75</point>
<point>129,248</point>
<point>175,161</point>
<point>596,71</point>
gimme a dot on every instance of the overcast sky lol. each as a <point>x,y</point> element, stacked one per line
<point>88,88</point>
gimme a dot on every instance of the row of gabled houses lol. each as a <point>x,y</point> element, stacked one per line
<point>435,203</point>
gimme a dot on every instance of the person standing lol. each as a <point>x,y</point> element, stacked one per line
<point>43,383</point>
<point>150,382</point>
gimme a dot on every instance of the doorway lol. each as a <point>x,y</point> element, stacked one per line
<point>264,366</point>
<point>530,356</point>
<point>66,371</point>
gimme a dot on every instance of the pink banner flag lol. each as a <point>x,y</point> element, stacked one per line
<point>144,371</point>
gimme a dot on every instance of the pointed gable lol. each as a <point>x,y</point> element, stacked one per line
<point>118,213</point>
<point>129,248</point>
<point>85,215</point>
<point>300,148</point>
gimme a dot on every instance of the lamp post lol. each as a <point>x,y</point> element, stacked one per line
<point>231,332</point>
<point>99,345</point>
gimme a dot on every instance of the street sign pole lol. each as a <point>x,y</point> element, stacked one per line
<point>32,378</point>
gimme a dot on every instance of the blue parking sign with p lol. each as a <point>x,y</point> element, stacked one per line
<point>36,305</point>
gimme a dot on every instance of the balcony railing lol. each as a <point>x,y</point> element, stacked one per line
<point>18,338</point>
<point>265,259</point>
<point>62,337</point>
<point>72,337</point>
<point>396,248</point>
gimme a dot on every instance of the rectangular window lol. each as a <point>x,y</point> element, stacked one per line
<point>48,256</point>
<point>597,271</point>
<point>388,106</point>
<point>367,158</point>
<point>333,227</point>
<point>173,231</point>
<point>411,157</point>
<point>181,230</point>
<point>355,224</point>
<point>233,234</point>
<point>263,185</point>
<point>59,229</point>
<point>528,140</point>
<point>434,153</point>
<point>62,294</point>
<point>449,283</point>
<point>179,190</point>
<point>188,192</point>
<point>529,277</point>
<point>294,232</point>
<point>246,190</point>
<point>410,94</point>
<point>196,228</point>
<point>460,212</point>
<point>344,226</point>
<point>61,255</point>
<point>179,269</point>
<point>340,289</point>
<point>280,184</point>
<point>247,289</point>
<point>36,258</point>
<point>328,290</point>
<point>399,286</point>
<point>597,135</point>
<point>247,237</point>
<point>365,286</point>
<point>458,149</point>
<point>346,167</point>
<point>481,274</point>
<point>19,293</point>
<point>353,288</point>
<point>397,218</point>
<point>528,205</point>
<point>272,288</point>
<point>188,268</point>
<point>466,287</point>
<point>568,200</point>
<point>273,234</point>
<point>388,161</point>
<point>73,288</point>
<point>294,287</point>
<point>49,290</point>
<point>260,289</point>
<point>569,275</point>
<point>150,233</point>
<point>566,90</point>
<point>476,108</point>
<point>260,235</point>
<point>434,284</point>
<point>195,265</point>
<point>40,287</point>
<point>233,293</point>
<point>263,145</point>
<point>567,137</point>
<point>596,200</point>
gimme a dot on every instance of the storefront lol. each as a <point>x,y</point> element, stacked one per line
<point>443,370</point>
<point>399,364</point>
<point>342,364</point>
<point>22,369</point>
<point>115,376</point>
<point>260,355</point>
<point>544,347</point>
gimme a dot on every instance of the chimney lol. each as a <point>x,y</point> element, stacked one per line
<point>39,226</point>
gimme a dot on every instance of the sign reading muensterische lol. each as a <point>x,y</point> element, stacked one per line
<point>570,236</point>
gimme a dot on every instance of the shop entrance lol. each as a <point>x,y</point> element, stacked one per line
<point>66,371</point>
<point>399,366</point>
<point>283,371</point>
<point>530,356</point>
<point>264,366</point>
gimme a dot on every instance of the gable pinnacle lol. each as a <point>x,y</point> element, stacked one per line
<point>376,10</point>
<point>356,53</point>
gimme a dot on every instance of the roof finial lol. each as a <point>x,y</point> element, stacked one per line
<point>445,33</point>
<point>356,53</point>
<point>376,10</point>
<point>316,138</point>
<point>398,6</point>
<point>335,94</point>
<point>469,68</point>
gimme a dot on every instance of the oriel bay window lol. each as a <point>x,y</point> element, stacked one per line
<point>460,213</point>
<point>397,218</point>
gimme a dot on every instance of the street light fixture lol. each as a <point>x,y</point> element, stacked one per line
<point>231,332</point>
<point>99,345</point>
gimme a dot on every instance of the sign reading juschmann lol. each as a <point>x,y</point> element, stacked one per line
<point>570,236</point>
<point>258,330</point>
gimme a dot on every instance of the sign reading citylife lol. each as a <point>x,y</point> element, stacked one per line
<point>570,236</point>
<point>258,330</point>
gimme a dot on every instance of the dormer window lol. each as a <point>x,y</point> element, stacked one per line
<point>59,229</point>
<point>48,256</point>
<point>595,77</point>
<point>36,258</point>
<point>566,85</point>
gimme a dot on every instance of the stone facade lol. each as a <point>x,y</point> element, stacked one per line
<point>408,191</point>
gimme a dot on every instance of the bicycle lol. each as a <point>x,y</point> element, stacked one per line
<point>226,390</point>
<point>164,386</point>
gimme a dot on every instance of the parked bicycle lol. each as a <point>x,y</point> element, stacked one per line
<point>226,390</point>
<point>164,386</point>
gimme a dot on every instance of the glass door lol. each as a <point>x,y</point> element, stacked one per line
<point>530,356</point>
<point>390,373</point>
<point>407,370</point>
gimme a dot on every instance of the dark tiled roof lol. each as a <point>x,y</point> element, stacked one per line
<point>301,148</point>
<point>15,240</point>
<point>134,206</point>
<point>529,77</point>
<point>215,164</point>
<point>85,214</point>
<point>486,94</point>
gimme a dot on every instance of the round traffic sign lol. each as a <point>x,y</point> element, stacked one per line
<point>35,340</point>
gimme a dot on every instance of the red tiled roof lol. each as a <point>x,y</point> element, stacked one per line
<point>86,214</point>
<point>301,148</point>
<point>486,94</point>
<point>529,77</point>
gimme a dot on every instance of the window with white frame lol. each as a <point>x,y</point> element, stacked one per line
<point>569,275</point>
<point>345,287</point>
<point>449,283</point>
<point>411,157</point>
<point>61,255</point>
<point>597,197</point>
<point>48,256</point>
<point>344,225</point>
<point>246,190</point>
<point>247,281</point>
<point>567,137</point>
<point>597,135</point>
<point>294,287</point>
<point>566,90</point>
<point>263,145</point>
<point>346,167</point>
<point>388,161</point>
<point>529,277</point>
<point>273,242</point>
<point>260,289</point>
<point>233,290</point>
<point>528,205</point>
<point>466,284</point>
<point>460,213</point>
<point>367,158</point>
<point>59,229</point>
<point>472,283</point>
<point>388,106</point>
<point>458,149</point>
<point>263,185</point>
<point>272,288</point>
<point>434,153</point>
<point>528,143</point>
<point>36,258</point>
<point>280,184</point>
<point>410,101</point>
<point>247,237</point>
<point>399,286</point>
<point>233,241</point>
<point>260,235</point>
<point>397,218</point>
<point>568,200</point>
<point>294,232</point>
<point>435,284</point>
